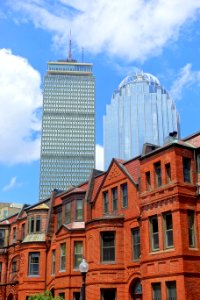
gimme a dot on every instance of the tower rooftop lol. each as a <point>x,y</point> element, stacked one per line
<point>139,76</point>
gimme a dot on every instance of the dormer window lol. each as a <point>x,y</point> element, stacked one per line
<point>34,224</point>
<point>38,224</point>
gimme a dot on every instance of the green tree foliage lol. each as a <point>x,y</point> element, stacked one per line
<point>44,296</point>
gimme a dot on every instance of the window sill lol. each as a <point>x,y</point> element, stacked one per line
<point>124,207</point>
<point>108,262</point>
<point>161,251</point>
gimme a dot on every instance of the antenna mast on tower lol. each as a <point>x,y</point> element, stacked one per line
<point>70,48</point>
<point>82,55</point>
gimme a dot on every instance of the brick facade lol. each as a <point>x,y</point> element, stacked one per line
<point>137,225</point>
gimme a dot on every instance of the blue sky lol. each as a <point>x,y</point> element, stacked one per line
<point>159,37</point>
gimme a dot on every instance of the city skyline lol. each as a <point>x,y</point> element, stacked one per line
<point>160,39</point>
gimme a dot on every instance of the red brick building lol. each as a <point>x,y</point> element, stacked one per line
<point>137,225</point>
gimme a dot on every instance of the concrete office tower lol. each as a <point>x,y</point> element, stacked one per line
<point>141,111</point>
<point>68,125</point>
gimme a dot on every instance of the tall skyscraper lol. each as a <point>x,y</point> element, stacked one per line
<point>68,125</point>
<point>141,111</point>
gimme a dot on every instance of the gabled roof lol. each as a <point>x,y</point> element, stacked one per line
<point>72,226</point>
<point>133,168</point>
<point>22,213</point>
<point>191,136</point>
<point>40,206</point>
<point>91,183</point>
<point>99,181</point>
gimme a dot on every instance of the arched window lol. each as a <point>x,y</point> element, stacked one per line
<point>136,290</point>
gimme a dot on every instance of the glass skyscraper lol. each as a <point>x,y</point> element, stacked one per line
<point>141,111</point>
<point>68,125</point>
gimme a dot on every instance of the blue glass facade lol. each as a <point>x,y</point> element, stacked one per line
<point>68,126</point>
<point>141,111</point>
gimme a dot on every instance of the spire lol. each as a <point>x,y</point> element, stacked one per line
<point>70,48</point>
<point>82,55</point>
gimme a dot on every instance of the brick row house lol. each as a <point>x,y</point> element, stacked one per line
<point>137,225</point>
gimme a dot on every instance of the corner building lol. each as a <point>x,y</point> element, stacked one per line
<point>141,111</point>
<point>137,225</point>
<point>68,126</point>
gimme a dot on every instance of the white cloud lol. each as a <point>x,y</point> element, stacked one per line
<point>185,79</point>
<point>10,185</point>
<point>131,29</point>
<point>99,152</point>
<point>20,99</point>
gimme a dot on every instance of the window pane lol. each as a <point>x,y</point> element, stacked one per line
<point>79,210</point>
<point>168,230</point>
<point>154,233</point>
<point>62,296</point>
<point>148,181</point>
<point>2,237</point>
<point>158,174</point>
<point>186,169</point>
<point>156,290</point>
<point>67,212</point>
<point>168,173</point>
<point>171,290</point>
<point>114,199</point>
<point>38,223</point>
<point>124,195</point>
<point>78,254</point>
<point>53,267</point>
<point>34,263</point>
<point>23,231</point>
<point>59,219</point>
<point>136,243</point>
<point>191,229</point>
<point>32,225</point>
<point>0,271</point>
<point>108,294</point>
<point>62,257</point>
<point>14,234</point>
<point>108,246</point>
<point>76,296</point>
<point>105,202</point>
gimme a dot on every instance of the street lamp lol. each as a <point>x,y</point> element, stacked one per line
<point>83,268</point>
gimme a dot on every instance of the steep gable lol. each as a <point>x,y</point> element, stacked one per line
<point>116,172</point>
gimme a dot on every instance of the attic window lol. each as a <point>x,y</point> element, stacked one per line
<point>34,224</point>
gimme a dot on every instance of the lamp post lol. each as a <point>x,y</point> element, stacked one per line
<point>83,268</point>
